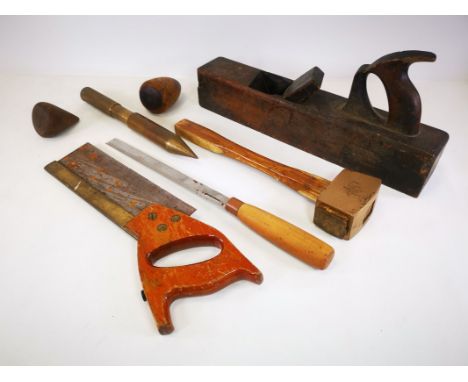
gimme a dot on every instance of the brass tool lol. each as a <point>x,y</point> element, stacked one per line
<point>343,205</point>
<point>161,224</point>
<point>287,236</point>
<point>142,125</point>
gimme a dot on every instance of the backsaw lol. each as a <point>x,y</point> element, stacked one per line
<point>161,224</point>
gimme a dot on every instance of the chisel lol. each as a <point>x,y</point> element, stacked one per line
<point>287,236</point>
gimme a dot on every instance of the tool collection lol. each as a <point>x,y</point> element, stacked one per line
<point>342,205</point>
<point>285,235</point>
<point>374,146</point>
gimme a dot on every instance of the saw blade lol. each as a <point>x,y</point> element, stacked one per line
<point>114,189</point>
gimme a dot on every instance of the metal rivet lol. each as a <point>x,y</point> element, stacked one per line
<point>175,218</point>
<point>152,216</point>
<point>161,227</point>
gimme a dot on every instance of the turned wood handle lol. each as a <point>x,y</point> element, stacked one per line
<point>284,235</point>
<point>306,184</point>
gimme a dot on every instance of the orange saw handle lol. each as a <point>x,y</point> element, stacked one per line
<point>162,231</point>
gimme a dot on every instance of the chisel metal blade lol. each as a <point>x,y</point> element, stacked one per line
<point>169,172</point>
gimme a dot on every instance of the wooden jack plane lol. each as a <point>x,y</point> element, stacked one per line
<point>393,146</point>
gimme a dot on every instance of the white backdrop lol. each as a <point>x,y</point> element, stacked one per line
<point>142,46</point>
<point>69,284</point>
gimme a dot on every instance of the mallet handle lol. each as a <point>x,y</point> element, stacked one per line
<point>304,183</point>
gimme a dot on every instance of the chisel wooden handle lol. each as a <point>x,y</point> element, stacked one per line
<point>287,236</point>
<point>283,234</point>
<point>304,183</point>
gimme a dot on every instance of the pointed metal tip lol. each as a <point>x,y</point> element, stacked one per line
<point>177,146</point>
<point>193,155</point>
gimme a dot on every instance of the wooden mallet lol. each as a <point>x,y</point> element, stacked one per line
<point>343,205</point>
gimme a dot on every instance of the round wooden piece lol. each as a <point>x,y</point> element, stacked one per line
<point>159,94</point>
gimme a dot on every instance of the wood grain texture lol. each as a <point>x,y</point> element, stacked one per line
<point>304,183</point>
<point>50,120</point>
<point>159,94</point>
<point>162,231</point>
<point>286,236</point>
<point>322,125</point>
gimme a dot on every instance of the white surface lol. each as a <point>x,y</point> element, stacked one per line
<point>139,46</point>
<point>69,284</point>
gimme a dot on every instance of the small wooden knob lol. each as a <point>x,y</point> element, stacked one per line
<point>159,94</point>
<point>50,120</point>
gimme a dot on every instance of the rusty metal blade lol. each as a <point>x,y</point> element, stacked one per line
<point>118,183</point>
<point>94,197</point>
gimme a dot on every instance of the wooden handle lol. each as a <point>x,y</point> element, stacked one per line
<point>404,102</point>
<point>306,184</point>
<point>287,236</point>
<point>162,231</point>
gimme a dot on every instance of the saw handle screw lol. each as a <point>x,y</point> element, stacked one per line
<point>175,218</point>
<point>161,227</point>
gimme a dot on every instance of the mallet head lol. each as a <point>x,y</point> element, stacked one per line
<point>344,206</point>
